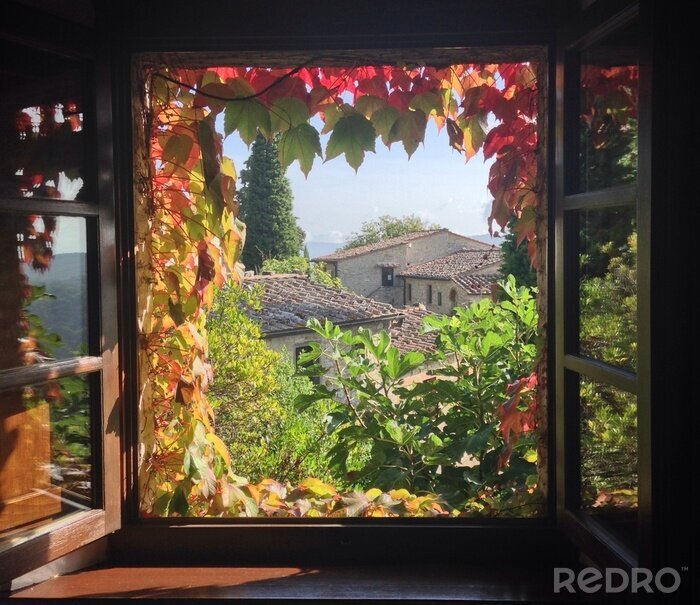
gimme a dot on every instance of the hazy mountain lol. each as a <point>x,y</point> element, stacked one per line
<point>64,312</point>
<point>487,239</point>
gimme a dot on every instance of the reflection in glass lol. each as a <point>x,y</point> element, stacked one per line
<point>41,125</point>
<point>609,84</point>
<point>609,454</point>
<point>608,285</point>
<point>43,289</point>
<point>45,453</point>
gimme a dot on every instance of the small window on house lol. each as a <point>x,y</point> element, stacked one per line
<point>387,276</point>
<point>439,299</point>
<point>453,296</point>
<point>430,295</point>
<point>410,292</point>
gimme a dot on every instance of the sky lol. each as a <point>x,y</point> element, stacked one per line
<point>434,184</point>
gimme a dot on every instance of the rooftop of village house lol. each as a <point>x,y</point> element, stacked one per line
<point>395,241</point>
<point>289,300</point>
<point>455,264</point>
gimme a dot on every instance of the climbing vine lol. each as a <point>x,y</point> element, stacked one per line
<point>189,239</point>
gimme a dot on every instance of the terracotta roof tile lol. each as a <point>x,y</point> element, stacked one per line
<point>406,332</point>
<point>290,300</point>
<point>451,265</point>
<point>477,284</point>
<point>389,243</point>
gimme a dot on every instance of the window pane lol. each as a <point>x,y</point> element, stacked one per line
<point>608,285</point>
<point>609,80</point>
<point>45,454</point>
<point>43,289</point>
<point>609,455</point>
<point>41,125</point>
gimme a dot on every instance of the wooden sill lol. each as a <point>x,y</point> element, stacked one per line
<point>416,582</point>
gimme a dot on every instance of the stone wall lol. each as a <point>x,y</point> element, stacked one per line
<point>419,290</point>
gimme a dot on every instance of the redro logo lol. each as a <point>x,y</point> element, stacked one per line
<point>615,580</point>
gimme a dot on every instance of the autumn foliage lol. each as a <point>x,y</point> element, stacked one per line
<point>189,238</point>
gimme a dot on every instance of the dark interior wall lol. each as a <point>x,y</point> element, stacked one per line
<point>315,23</point>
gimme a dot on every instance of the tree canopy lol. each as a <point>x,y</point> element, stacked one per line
<point>386,227</point>
<point>266,207</point>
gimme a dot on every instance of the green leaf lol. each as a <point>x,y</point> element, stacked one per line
<point>397,432</point>
<point>352,135</point>
<point>300,143</point>
<point>247,117</point>
<point>178,503</point>
<point>367,105</point>
<point>477,441</point>
<point>287,113</point>
<point>177,148</point>
<point>304,400</point>
<point>475,131</point>
<point>410,130</point>
<point>530,456</point>
<point>383,120</point>
<point>428,102</point>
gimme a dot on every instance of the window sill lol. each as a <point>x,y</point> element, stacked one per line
<point>417,582</point>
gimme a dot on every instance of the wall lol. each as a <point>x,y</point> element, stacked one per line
<point>419,289</point>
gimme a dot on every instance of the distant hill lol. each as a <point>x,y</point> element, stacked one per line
<point>487,239</point>
<point>66,313</point>
<point>322,248</point>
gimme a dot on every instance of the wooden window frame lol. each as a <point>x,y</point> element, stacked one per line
<point>76,530</point>
<point>586,532</point>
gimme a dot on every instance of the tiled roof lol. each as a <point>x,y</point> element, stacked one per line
<point>477,284</point>
<point>406,332</point>
<point>290,300</point>
<point>389,243</point>
<point>451,265</point>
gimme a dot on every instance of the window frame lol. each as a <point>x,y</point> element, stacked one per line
<point>78,529</point>
<point>588,533</point>
<point>387,277</point>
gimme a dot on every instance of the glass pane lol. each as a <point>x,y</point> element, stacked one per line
<point>43,289</point>
<point>609,80</point>
<point>608,285</point>
<point>45,454</point>
<point>609,455</point>
<point>41,125</point>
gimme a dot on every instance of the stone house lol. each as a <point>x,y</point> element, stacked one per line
<point>459,278</point>
<point>290,300</point>
<point>375,270</point>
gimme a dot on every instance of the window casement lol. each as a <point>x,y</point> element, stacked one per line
<point>602,241</point>
<point>58,310</point>
<point>429,297</point>
<point>387,277</point>
<point>410,292</point>
<point>439,299</point>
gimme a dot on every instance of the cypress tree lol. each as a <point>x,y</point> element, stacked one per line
<point>516,262</point>
<point>266,207</point>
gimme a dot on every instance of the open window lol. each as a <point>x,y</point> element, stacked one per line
<point>58,312</point>
<point>602,240</point>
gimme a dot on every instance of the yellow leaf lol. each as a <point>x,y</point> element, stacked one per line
<point>220,447</point>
